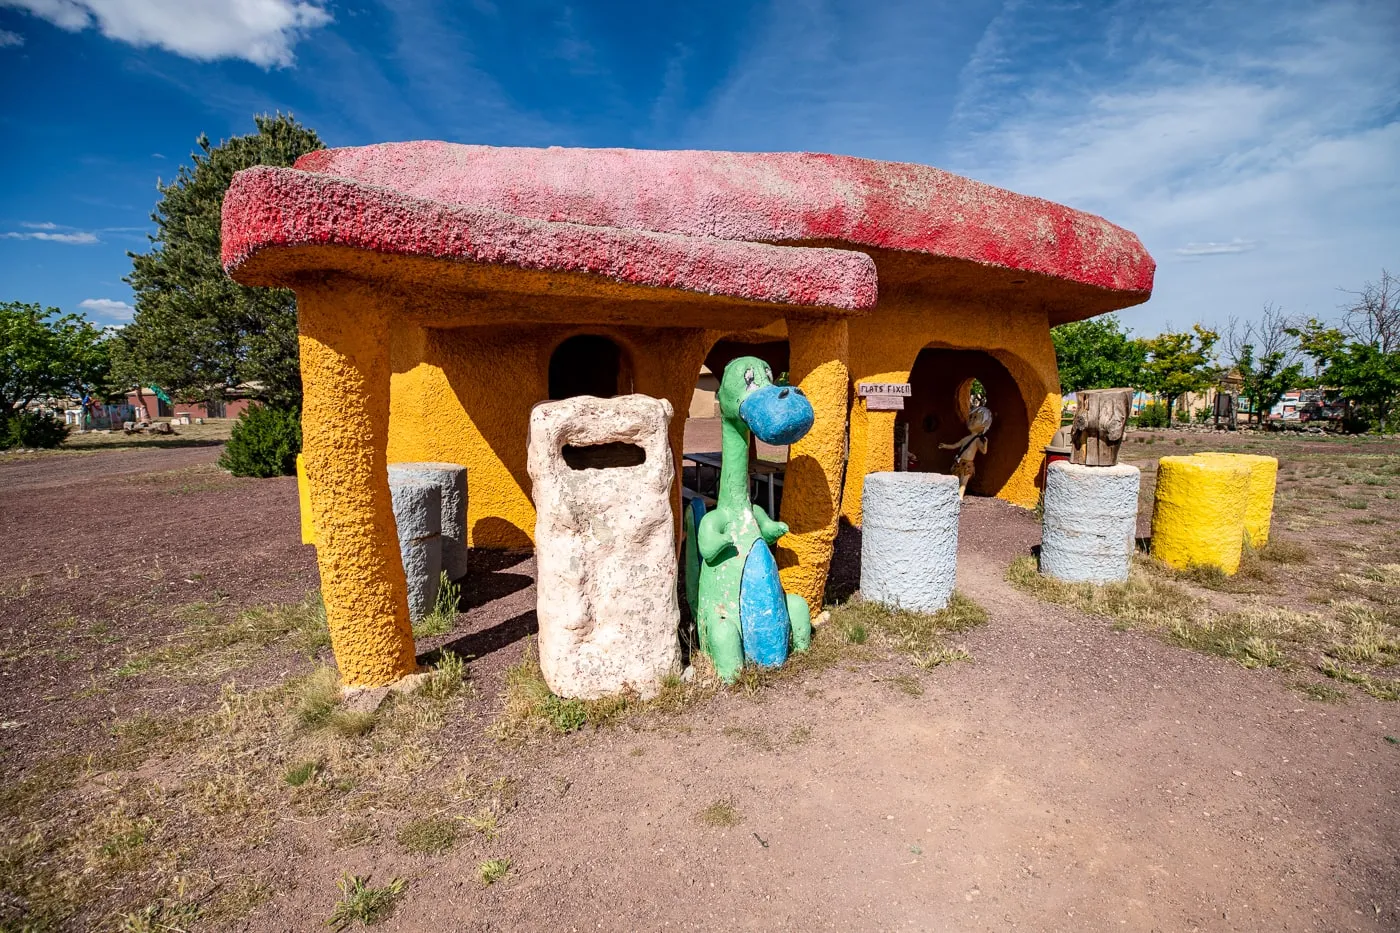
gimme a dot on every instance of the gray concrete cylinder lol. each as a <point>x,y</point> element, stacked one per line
<point>1090,524</point>
<point>909,540</point>
<point>451,481</point>
<point>418,514</point>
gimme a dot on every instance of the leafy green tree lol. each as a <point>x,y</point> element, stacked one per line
<point>1097,354</point>
<point>197,333</point>
<point>1265,354</point>
<point>45,354</point>
<point>1361,358</point>
<point>1179,362</point>
<point>1266,379</point>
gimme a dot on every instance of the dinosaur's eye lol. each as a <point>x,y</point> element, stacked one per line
<point>748,378</point>
<point>768,373</point>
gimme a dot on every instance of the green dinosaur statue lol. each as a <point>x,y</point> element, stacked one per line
<point>740,608</point>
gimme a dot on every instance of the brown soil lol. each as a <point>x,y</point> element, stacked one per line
<point>1070,778</point>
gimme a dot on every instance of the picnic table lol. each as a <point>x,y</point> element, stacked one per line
<point>758,469</point>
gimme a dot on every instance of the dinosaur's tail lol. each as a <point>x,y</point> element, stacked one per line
<point>692,512</point>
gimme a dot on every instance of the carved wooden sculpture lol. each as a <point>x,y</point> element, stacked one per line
<point>1099,423</point>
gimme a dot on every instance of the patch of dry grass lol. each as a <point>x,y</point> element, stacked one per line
<point>129,856</point>
<point>1145,600</point>
<point>211,645</point>
<point>428,835</point>
<point>531,708</point>
<point>1255,635</point>
<point>722,814</point>
<point>917,635</point>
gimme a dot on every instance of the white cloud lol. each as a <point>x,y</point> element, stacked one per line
<point>10,39</point>
<point>260,31</point>
<point>42,225</point>
<point>1216,249</point>
<point>1268,134</point>
<point>78,236</point>
<point>108,308</point>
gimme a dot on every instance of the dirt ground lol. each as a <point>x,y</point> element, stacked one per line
<point>1072,776</point>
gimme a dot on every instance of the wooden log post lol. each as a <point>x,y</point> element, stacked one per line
<point>1099,423</point>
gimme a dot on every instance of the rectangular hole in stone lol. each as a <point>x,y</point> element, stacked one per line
<point>604,456</point>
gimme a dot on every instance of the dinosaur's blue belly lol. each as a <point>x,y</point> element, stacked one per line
<point>763,614</point>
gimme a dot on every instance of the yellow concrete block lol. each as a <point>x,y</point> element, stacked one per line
<point>308,524</point>
<point>1263,477</point>
<point>1198,516</point>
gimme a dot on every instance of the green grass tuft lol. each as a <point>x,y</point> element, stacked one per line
<point>300,774</point>
<point>362,903</point>
<point>444,613</point>
<point>492,870</point>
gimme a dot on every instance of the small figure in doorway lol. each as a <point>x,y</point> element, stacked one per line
<point>979,422</point>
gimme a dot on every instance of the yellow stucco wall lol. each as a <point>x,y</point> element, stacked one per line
<point>464,396</point>
<point>884,346</point>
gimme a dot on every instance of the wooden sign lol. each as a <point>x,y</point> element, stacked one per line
<point>883,396</point>
<point>864,389</point>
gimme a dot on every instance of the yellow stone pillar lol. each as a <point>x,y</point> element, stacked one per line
<point>812,486</point>
<point>872,445</point>
<point>344,343</point>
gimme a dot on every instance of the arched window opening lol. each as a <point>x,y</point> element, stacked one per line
<point>589,364</point>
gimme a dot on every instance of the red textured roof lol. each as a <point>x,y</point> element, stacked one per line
<point>266,208</point>
<point>699,197</point>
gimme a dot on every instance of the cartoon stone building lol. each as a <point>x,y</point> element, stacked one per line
<point>444,289</point>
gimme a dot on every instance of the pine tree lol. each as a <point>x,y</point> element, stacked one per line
<point>197,333</point>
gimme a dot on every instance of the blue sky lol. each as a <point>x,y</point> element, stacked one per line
<point>1254,146</point>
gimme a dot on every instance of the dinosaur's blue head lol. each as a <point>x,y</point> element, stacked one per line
<point>777,414</point>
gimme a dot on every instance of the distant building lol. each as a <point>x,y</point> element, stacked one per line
<point>145,403</point>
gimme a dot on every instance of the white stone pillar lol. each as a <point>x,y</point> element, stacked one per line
<point>909,540</point>
<point>601,474</point>
<point>1090,524</point>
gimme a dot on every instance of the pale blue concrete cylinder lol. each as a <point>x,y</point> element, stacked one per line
<point>418,515</point>
<point>451,481</point>
<point>909,540</point>
<point>1090,525</point>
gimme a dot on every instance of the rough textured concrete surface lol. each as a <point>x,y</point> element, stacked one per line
<point>344,418</point>
<point>1090,524</point>
<point>763,197</point>
<point>604,545</point>
<point>909,542</point>
<point>417,513</point>
<point>1263,477</point>
<point>1198,516</point>
<point>451,482</point>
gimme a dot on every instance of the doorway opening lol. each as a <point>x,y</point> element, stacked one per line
<point>589,364</point>
<point>944,385</point>
<point>701,456</point>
